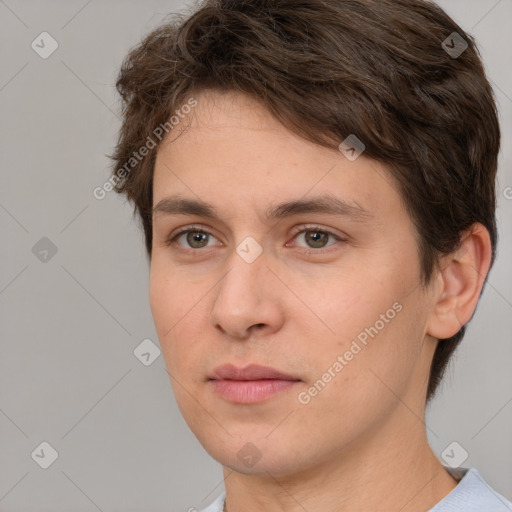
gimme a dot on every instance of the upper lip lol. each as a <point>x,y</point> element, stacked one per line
<point>250,372</point>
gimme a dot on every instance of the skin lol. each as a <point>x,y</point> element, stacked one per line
<point>298,307</point>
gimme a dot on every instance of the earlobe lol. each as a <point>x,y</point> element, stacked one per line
<point>461,279</point>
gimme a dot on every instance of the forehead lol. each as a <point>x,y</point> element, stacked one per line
<point>230,151</point>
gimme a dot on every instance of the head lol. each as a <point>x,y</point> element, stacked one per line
<point>248,107</point>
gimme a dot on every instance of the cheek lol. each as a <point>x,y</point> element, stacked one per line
<point>372,326</point>
<point>180,314</point>
<point>352,381</point>
<point>169,296</point>
<point>161,302</point>
<point>171,307</point>
<point>342,305</point>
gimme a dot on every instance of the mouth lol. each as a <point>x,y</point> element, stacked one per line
<point>252,384</point>
<point>250,391</point>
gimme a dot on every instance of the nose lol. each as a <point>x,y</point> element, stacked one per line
<point>247,300</point>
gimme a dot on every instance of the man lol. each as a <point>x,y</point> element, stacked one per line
<point>315,181</point>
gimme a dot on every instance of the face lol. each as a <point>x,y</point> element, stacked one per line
<point>305,262</point>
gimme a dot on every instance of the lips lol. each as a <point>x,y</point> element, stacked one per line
<point>251,372</point>
<point>253,384</point>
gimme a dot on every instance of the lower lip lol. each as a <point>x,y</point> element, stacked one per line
<point>250,391</point>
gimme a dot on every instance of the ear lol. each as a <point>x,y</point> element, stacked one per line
<point>460,283</point>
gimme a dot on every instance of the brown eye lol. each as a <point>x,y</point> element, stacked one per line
<point>197,239</point>
<point>316,238</point>
<point>191,239</point>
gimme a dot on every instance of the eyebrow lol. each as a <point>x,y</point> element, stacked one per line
<point>327,204</point>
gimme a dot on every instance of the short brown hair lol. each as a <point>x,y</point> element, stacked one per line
<point>374,68</point>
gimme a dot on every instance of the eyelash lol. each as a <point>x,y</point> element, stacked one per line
<point>305,228</point>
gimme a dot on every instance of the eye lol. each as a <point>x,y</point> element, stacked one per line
<point>313,237</point>
<point>316,238</point>
<point>191,238</point>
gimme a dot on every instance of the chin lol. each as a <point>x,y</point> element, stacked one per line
<point>252,455</point>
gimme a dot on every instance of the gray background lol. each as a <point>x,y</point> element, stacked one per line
<point>69,325</point>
